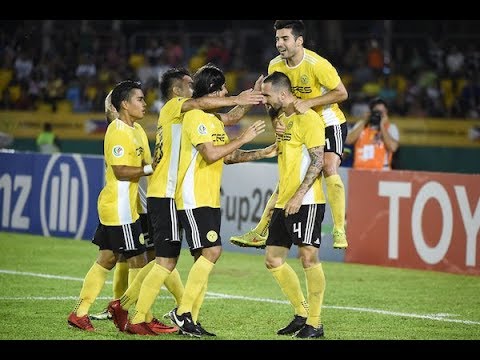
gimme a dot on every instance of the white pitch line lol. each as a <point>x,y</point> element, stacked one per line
<point>212,295</point>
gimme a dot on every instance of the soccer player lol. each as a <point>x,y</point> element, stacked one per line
<point>127,158</point>
<point>121,274</point>
<point>317,86</point>
<point>205,147</point>
<point>300,206</point>
<point>176,88</point>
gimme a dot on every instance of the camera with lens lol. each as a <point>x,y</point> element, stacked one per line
<point>375,118</point>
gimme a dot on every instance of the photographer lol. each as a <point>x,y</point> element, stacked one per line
<point>374,139</point>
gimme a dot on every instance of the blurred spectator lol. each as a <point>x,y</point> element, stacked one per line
<point>374,139</point>
<point>47,141</point>
<point>5,140</point>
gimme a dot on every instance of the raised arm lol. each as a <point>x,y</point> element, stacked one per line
<point>239,155</point>
<point>246,98</point>
<point>334,96</point>
<point>238,112</point>
<point>213,153</point>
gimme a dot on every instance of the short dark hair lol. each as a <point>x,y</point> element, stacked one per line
<point>297,26</point>
<point>47,127</point>
<point>375,101</point>
<point>122,91</point>
<point>279,80</point>
<point>168,79</point>
<point>207,80</point>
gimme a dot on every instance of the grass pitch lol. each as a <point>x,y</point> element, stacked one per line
<point>41,278</point>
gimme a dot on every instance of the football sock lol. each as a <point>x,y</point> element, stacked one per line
<point>262,226</point>
<point>290,285</point>
<point>131,295</point>
<point>336,199</point>
<point>174,284</point>
<point>197,278</point>
<point>92,285</point>
<point>120,279</point>
<point>148,293</point>
<point>315,291</point>
<point>197,304</point>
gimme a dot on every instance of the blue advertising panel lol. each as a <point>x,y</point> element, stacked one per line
<point>50,195</point>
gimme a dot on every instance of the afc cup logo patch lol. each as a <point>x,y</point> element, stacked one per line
<point>212,236</point>
<point>141,239</point>
<point>118,151</point>
<point>202,129</point>
<point>304,79</point>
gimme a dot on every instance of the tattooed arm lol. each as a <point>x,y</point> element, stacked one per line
<point>313,171</point>
<point>239,155</point>
<point>158,151</point>
<point>239,111</point>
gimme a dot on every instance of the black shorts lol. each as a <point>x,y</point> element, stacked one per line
<point>202,227</point>
<point>145,223</point>
<point>121,239</point>
<point>165,227</point>
<point>335,136</point>
<point>302,228</point>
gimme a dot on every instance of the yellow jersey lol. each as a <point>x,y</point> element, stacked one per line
<point>303,132</point>
<point>314,76</point>
<point>163,181</point>
<point>123,145</point>
<point>198,182</point>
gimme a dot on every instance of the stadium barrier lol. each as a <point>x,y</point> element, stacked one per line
<point>56,195</point>
<point>419,220</point>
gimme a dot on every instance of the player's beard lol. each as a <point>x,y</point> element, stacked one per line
<point>272,112</point>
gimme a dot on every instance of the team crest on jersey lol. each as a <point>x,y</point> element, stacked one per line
<point>141,239</point>
<point>289,125</point>
<point>212,236</point>
<point>202,129</point>
<point>304,79</point>
<point>118,151</point>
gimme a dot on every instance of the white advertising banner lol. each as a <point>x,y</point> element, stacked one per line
<point>245,191</point>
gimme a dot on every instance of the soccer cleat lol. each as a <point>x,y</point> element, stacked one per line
<point>104,315</point>
<point>203,331</point>
<point>308,331</point>
<point>296,324</point>
<point>80,322</point>
<point>160,328</point>
<point>250,239</point>
<point>185,324</point>
<point>339,239</point>
<point>119,315</point>
<point>139,329</point>
<point>169,315</point>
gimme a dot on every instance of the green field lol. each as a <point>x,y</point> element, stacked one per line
<point>40,279</point>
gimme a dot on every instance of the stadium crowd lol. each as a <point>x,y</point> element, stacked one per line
<point>59,65</point>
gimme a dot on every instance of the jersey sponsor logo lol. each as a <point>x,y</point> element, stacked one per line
<point>64,197</point>
<point>212,236</point>
<point>139,151</point>
<point>202,129</point>
<point>302,89</point>
<point>118,151</point>
<point>218,138</point>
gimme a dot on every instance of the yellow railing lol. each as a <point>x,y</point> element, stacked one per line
<point>91,126</point>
